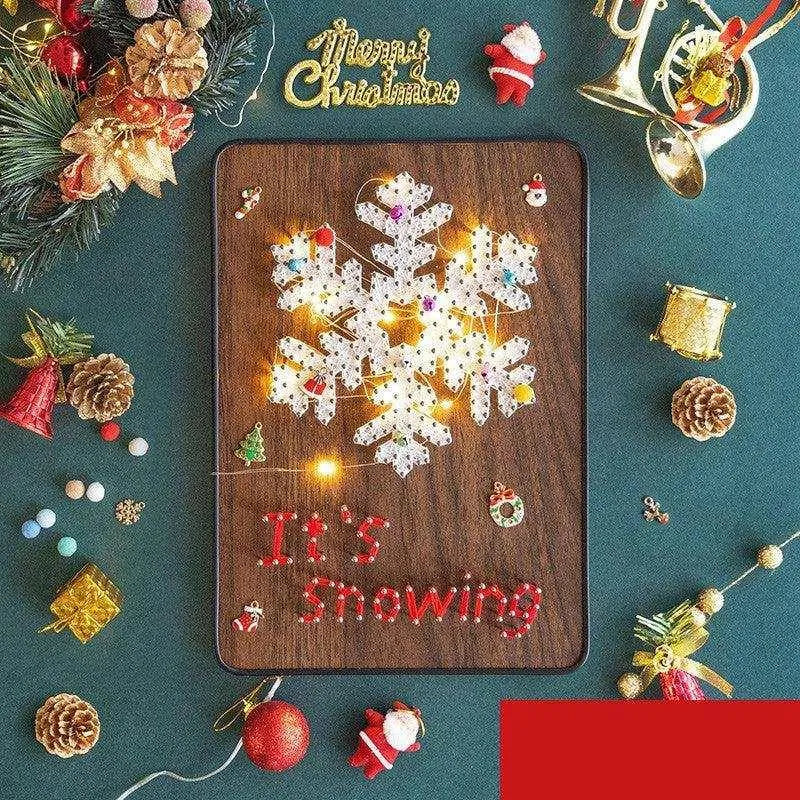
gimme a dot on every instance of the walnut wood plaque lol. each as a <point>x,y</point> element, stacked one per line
<point>440,524</point>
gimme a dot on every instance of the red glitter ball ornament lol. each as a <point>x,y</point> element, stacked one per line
<point>324,236</point>
<point>110,431</point>
<point>68,13</point>
<point>67,59</point>
<point>275,735</point>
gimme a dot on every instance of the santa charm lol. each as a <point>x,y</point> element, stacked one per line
<point>385,737</point>
<point>514,62</point>
<point>535,191</point>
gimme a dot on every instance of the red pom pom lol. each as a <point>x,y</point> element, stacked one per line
<point>110,431</point>
<point>324,236</point>
<point>275,735</point>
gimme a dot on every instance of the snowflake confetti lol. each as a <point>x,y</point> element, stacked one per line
<point>128,511</point>
<point>453,316</point>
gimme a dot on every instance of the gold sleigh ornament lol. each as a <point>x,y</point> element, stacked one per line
<point>693,322</point>
<point>679,145</point>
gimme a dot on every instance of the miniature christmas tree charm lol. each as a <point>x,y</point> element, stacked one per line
<point>251,448</point>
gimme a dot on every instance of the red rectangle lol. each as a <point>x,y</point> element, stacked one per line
<point>641,748</point>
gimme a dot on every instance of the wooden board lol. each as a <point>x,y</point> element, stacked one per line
<point>441,528</point>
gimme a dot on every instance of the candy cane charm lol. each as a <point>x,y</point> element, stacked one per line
<point>502,497</point>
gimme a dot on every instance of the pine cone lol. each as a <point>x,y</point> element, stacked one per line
<point>703,408</point>
<point>101,388</point>
<point>167,60</point>
<point>67,726</point>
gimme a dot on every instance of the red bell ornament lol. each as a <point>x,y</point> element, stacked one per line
<point>65,57</point>
<point>68,13</point>
<point>31,406</point>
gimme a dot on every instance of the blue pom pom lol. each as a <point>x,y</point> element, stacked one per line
<point>295,264</point>
<point>31,529</point>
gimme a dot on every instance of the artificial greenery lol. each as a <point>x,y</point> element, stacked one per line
<point>229,40</point>
<point>63,340</point>
<point>665,628</point>
<point>36,226</point>
<point>36,112</point>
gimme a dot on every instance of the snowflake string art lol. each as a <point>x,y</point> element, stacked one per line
<point>454,342</point>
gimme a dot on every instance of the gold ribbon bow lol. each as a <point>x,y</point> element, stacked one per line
<point>675,656</point>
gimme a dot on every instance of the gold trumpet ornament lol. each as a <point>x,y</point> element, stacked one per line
<point>708,104</point>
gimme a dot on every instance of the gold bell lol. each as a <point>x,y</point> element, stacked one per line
<point>693,322</point>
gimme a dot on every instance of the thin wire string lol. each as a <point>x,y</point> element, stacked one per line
<point>751,570</point>
<point>254,95</point>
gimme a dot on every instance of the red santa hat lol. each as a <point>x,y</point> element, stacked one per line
<point>522,42</point>
<point>533,185</point>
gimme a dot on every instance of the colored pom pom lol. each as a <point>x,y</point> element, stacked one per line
<point>67,546</point>
<point>195,14</point>
<point>141,9</point>
<point>75,489</point>
<point>523,393</point>
<point>46,518</point>
<point>31,529</point>
<point>138,446</point>
<point>324,236</point>
<point>275,735</point>
<point>110,431</point>
<point>397,213</point>
<point>95,492</point>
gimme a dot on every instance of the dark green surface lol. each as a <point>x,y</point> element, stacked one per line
<point>147,294</point>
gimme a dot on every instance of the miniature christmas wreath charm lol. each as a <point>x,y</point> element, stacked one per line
<point>502,497</point>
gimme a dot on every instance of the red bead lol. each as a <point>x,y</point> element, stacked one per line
<point>324,236</point>
<point>275,735</point>
<point>110,431</point>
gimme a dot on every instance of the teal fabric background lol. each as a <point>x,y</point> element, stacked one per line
<point>146,292</point>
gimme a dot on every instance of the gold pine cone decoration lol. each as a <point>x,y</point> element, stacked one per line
<point>67,726</point>
<point>703,408</point>
<point>167,60</point>
<point>101,388</point>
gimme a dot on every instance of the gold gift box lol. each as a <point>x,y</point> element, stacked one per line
<point>86,604</point>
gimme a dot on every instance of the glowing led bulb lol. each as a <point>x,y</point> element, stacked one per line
<point>390,317</point>
<point>446,404</point>
<point>325,468</point>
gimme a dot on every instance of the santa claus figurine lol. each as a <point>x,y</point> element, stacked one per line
<point>385,737</point>
<point>514,61</point>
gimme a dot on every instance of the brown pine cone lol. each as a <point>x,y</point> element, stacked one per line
<point>101,388</point>
<point>721,64</point>
<point>67,726</point>
<point>703,408</point>
<point>167,60</point>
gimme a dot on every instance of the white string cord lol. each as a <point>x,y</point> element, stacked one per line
<point>182,778</point>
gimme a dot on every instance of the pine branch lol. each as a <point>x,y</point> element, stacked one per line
<point>35,237</point>
<point>230,43</point>
<point>63,340</point>
<point>36,112</point>
<point>229,40</point>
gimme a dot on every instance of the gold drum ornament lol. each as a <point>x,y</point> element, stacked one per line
<point>693,322</point>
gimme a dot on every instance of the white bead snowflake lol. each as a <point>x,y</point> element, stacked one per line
<point>454,344</point>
